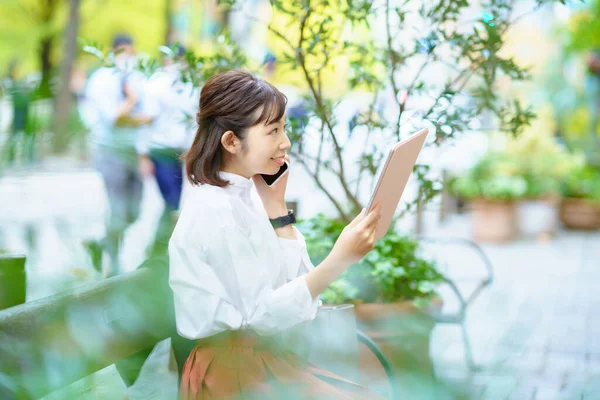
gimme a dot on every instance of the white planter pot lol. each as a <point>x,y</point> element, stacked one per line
<point>537,217</point>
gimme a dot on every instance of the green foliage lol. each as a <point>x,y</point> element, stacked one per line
<point>26,22</point>
<point>582,32</point>
<point>505,176</point>
<point>569,82</point>
<point>24,146</point>
<point>226,55</point>
<point>384,47</point>
<point>490,179</point>
<point>583,183</point>
<point>392,271</point>
<point>530,165</point>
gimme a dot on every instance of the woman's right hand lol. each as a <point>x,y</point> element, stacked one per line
<point>356,240</point>
<point>358,237</point>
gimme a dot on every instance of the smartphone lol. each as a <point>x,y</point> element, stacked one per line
<point>270,180</point>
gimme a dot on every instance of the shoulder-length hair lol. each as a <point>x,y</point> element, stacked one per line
<point>230,101</point>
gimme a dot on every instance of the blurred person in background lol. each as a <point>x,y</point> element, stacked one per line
<point>20,93</point>
<point>113,108</point>
<point>174,103</point>
<point>161,143</point>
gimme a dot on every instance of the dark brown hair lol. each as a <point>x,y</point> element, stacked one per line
<point>229,101</point>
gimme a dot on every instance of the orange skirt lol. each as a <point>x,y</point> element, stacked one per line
<point>244,365</point>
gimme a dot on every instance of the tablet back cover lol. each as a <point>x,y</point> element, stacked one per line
<point>394,177</point>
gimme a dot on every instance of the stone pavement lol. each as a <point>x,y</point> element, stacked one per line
<point>49,215</point>
<point>534,333</point>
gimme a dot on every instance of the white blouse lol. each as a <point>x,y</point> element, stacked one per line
<point>228,268</point>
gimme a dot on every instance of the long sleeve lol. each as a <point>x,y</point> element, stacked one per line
<point>150,107</point>
<point>298,260</point>
<point>228,286</point>
<point>101,94</point>
<point>202,306</point>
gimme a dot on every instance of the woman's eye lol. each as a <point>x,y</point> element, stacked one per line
<point>273,132</point>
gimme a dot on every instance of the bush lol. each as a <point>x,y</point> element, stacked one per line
<point>392,271</point>
<point>493,177</point>
<point>583,183</point>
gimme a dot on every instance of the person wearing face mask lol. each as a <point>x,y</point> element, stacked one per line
<point>114,104</point>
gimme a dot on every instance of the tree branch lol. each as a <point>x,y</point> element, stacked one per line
<point>336,204</point>
<point>393,62</point>
<point>316,95</point>
<point>321,141</point>
<point>467,72</point>
<point>367,136</point>
<point>321,110</point>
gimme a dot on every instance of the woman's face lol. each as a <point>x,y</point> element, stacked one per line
<point>265,148</point>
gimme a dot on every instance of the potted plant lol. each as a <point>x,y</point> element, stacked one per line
<point>580,206</point>
<point>516,187</point>
<point>493,188</point>
<point>393,290</point>
<point>543,163</point>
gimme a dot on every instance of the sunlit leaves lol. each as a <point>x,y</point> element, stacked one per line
<point>393,271</point>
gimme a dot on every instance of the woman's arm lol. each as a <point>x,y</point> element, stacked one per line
<point>325,273</point>
<point>356,240</point>
<point>203,305</point>
<point>220,283</point>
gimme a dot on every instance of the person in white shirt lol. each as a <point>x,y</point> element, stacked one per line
<point>239,275</point>
<point>172,130</point>
<point>173,103</point>
<point>112,107</point>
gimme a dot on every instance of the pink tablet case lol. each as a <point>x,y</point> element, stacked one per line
<point>394,176</point>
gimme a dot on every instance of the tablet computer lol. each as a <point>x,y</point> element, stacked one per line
<point>394,176</point>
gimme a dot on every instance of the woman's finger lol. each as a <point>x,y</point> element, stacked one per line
<point>373,232</point>
<point>372,217</point>
<point>358,218</point>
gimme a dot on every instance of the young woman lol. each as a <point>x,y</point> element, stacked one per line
<point>238,278</point>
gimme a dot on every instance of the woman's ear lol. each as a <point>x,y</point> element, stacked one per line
<point>230,142</point>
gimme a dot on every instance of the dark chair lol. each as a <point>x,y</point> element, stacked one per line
<point>385,363</point>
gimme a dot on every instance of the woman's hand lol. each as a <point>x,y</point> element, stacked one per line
<point>273,197</point>
<point>358,237</point>
<point>356,240</point>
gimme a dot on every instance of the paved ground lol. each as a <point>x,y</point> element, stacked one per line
<point>533,332</point>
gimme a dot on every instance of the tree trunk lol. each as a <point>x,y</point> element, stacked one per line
<point>64,98</point>
<point>169,22</point>
<point>46,66</point>
<point>46,15</point>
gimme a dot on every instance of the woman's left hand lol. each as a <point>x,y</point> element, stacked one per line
<point>273,197</point>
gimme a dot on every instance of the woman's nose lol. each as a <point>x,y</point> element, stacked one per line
<point>286,144</point>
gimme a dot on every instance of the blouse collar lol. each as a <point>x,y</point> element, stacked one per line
<point>238,183</point>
